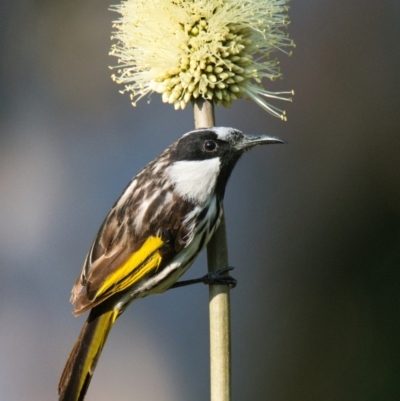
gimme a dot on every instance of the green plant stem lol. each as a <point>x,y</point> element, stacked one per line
<point>217,258</point>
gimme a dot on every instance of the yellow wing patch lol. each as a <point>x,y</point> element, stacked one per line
<point>145,260</point>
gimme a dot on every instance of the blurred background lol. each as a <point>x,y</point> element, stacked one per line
<point>314,234</point>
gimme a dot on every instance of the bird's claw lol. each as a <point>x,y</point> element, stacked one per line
<point>219,277</point>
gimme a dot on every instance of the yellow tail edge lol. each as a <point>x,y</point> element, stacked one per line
<point>82,361</point>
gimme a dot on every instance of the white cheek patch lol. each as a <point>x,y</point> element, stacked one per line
<point>195,180</point>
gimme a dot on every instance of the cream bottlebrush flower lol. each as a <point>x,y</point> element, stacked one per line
<point>215,49</point>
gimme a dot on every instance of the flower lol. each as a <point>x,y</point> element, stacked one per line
<point>216,49</point>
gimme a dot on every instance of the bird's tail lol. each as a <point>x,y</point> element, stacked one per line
<point>81,364</point>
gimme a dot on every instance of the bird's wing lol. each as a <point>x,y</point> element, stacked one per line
<point>121,257</point>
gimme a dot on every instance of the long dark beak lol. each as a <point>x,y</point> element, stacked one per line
<point>248,141</point>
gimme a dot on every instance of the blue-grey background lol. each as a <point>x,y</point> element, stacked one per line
<point>314,226</point>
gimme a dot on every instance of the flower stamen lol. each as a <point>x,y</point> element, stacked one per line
<point>216,49</point>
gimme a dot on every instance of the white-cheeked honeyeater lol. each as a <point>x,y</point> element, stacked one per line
<point>153,233</point>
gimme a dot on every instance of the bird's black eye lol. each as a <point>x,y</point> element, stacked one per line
<point>210,146</point>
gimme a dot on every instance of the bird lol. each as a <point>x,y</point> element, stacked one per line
<point>155,230</point>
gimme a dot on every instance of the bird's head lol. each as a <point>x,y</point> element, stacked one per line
<point>202,160</point>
